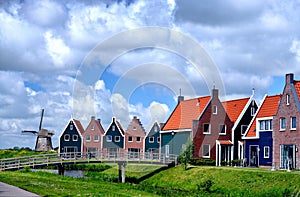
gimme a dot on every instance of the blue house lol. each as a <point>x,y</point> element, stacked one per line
<point>71,139</point>
<point>114,138</point>
<point>152,139</point>
<point>258,141</point>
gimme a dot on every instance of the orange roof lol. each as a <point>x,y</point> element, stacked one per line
<point>225,142</point>
<point>185,112</point>
<point>79,126</point>
<point>297,87</point>
<point>235,107</point>
<point>268,108</point>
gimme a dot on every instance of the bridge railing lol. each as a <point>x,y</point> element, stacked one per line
<point>86,157</point>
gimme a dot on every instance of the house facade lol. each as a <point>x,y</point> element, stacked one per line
<point>71,138</point>
<point>258,137</point>
<point>286,134</point>
<point>178,128</point>
<point>152,139</point>
<point>113,140</point>
<point>93,136</point>
<point>134,136</point>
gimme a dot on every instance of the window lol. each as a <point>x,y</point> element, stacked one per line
<point>130,139</point>
<point>265,125</point>
<point>92,127</point>
<point>282,124</point>
<point>244,129</point>
<point>109,138</point>
<point>266,151</point>
<point>117,138</point>
<point>222,129</point>
<point>287,99</point>
<point>155,129</point>
<point>134,128</point>
<point>138,139</point>
<point>215,109</point>
<point>206,128</point>
<point>151,139</point>
<point>75,137</point>
<point>206,151</point>
<point>252,111</point>
<point>96,138</point>
<point>167,150</point>
<point>71,127</point>
<point>158,139</point>
<point>67,137</point>
<point>113,128</point>
<point>293,123</point>
<point>88,138</point>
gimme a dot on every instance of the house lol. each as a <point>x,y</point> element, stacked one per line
<point>113,140</point>
<point>258,144</point>
<point>152,139</point>
<point>71,138</point>
<point>286,130</point>
<point>178,128</point>
<point>93,136</point>
<point>134,136</point>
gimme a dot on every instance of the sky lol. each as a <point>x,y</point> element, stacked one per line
<point>78,59</point>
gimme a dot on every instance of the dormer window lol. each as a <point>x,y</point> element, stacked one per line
<point>215,109</point>
<point>287,99</point>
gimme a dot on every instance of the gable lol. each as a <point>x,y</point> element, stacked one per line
<point>185,112</point>
<point>135,128</point>
<point>152,131</point>
<point>234,108</point>
<point>117,126</point>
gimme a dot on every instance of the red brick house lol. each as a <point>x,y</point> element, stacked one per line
<point>134,136</point>
<point>93,136</point>
<point>286,131</point>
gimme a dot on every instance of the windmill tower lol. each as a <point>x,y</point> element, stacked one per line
<point>43,140</point>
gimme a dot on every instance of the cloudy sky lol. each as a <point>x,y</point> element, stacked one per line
<point>51,58</point>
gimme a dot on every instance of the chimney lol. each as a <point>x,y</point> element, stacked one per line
<point>92,118</point>
<point>215,93</point>
<point>289,78</point>
<point>99,120</point>
<point>180,98</point>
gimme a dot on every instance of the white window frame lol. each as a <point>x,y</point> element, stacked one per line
<point>134,128</point>
<point>266,151</point>
<point>158,139</point>
<point>167,150</point>
<point>208,151</point>
<point>71,127</point>
<point>151,139</point>
<point>215,109</point>
<point>288,99</point>
<point>92,127</point>
<point>113,128</point>
<point>75,138</point>
<point>109,138</point>
<point>293,128</point>
<point>96,140</point>
<point>253,111</point>
<point>117,138</point>
<point>155,129</point>
<point>66,136</point>
<point>242,130</point>
<point>208,128</point>
<point>129,139</point>
<point>280,124</point>
<point>86,138</point>
<point>221,130</point>
<point>137,139</point>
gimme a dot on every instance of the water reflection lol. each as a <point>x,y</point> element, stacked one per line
<point>70,173</point>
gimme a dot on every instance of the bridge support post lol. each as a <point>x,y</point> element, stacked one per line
<point>61,169</point>
<point>122,165</point>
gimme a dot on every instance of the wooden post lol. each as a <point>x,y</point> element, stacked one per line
<point>61,169</point>
<point>121,165</point>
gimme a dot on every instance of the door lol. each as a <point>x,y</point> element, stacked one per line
<point>287,156</point>
<point>254,156</point>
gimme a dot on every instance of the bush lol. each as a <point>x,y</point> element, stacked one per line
<point>203,162</point>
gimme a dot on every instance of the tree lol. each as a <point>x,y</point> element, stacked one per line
<point>186,154</point>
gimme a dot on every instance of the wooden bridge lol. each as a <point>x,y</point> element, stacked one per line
<point>39,161</point>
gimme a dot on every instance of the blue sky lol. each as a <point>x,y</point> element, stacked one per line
<point>45,47</point>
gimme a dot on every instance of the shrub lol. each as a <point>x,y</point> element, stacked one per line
<point>203,162</point>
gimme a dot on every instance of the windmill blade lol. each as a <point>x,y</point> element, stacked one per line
<point>26,131</point>
<point>41,121</point>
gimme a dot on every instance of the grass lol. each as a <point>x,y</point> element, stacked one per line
<point>196,181</point>
<point>11,153</point>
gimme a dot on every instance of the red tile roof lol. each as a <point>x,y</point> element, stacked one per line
<point>120,127</point>
<point>225,142</point>
<point>185,112</point>
<point>268,108</point>
<point>297,87</point>
<point>79,126</point>
<point>235,107</point>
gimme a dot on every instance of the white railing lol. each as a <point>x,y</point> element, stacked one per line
<point>75,157</point>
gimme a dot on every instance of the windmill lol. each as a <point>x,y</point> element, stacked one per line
<point>43,140</point>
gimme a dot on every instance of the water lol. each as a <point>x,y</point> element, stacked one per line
<point>70,173</point>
